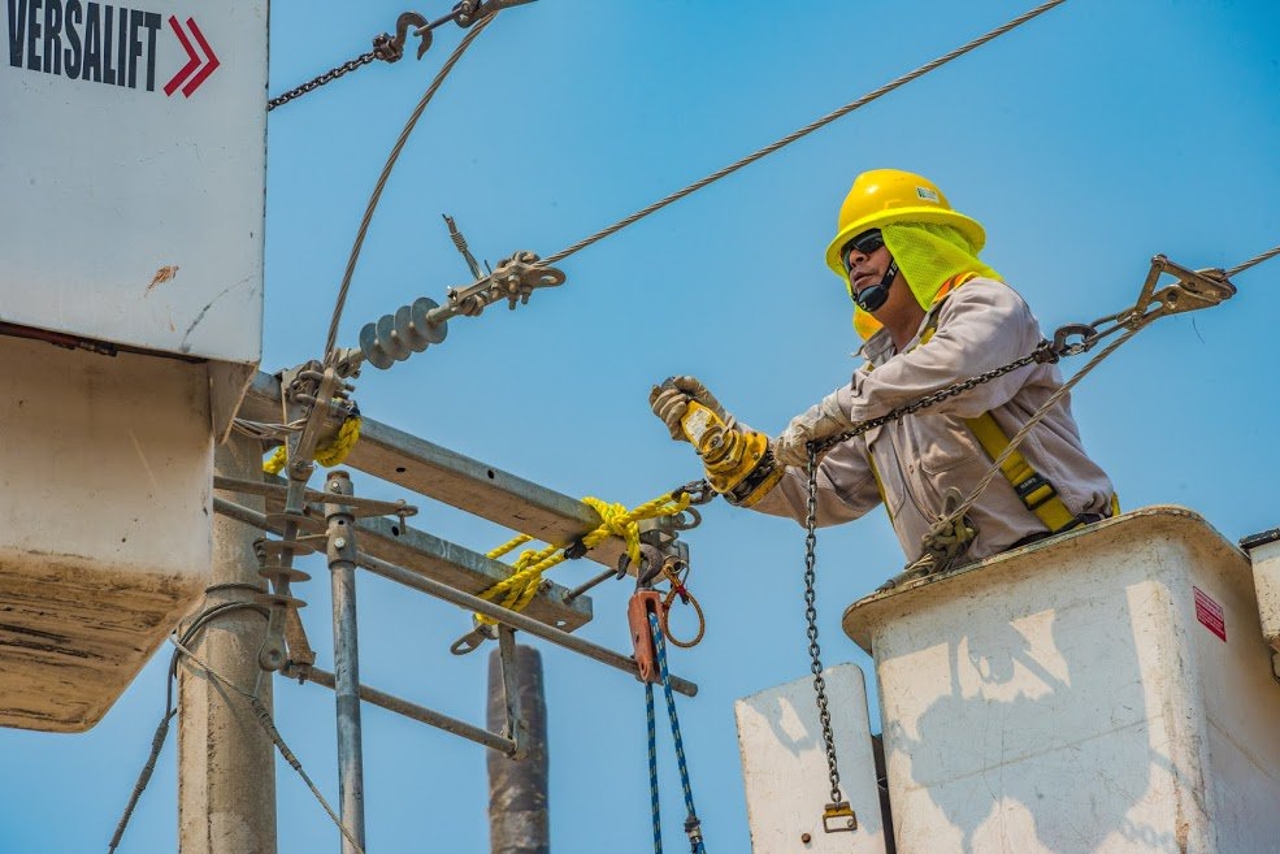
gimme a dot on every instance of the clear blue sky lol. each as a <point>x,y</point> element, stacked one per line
<point>1086,142</point>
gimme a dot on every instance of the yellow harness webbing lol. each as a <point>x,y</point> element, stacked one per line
<point>1034,490</point>
<point>1036,493</point>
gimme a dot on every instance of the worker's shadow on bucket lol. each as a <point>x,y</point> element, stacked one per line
<point>1038,732</point>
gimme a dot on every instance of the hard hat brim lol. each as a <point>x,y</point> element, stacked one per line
<point>970,228</point>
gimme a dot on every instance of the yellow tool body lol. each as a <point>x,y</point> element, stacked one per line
<point>739,464</point>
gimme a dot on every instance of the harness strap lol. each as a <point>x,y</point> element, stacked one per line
<point>1035,491</point>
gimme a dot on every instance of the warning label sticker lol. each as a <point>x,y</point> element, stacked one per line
<point>1209,613</point>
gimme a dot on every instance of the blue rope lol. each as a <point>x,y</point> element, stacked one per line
<point>653,769</point>
<point>692,827</point>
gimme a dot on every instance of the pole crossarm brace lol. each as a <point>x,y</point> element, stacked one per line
<point>479,489</point>
<point>427,556</point>
<point>410,710</point>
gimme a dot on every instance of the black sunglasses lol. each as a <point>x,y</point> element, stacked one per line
<point>865,243</point>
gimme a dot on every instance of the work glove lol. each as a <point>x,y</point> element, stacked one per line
<point>826,419</point>
<point>670,401</point>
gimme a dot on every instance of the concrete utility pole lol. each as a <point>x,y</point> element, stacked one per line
<point>518,821</point>
<point>226,762</point>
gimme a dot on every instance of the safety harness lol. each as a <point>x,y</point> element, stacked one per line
<point>1036,492</point>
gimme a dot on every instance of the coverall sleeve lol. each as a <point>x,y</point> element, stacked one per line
<point>981,326</point>
<point>846,488</point>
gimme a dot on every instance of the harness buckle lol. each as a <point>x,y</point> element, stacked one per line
<point>1029,487</point>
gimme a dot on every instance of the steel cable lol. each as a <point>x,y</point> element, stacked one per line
<point>1065,389</point>
<point>471,36</point>
<point>162,730</point>
<point>263,715</point>
<point>802,132</point>
<point>1254,261</point>
<point>1016,439</point>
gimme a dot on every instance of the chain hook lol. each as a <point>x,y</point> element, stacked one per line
<point>389,48</point>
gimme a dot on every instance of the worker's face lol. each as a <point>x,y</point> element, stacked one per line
<point>866,259</point>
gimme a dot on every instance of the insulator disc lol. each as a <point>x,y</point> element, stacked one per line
<point>433,332</point>
<point>389,340</point>
<point>373,352</point>
<point>281,546</point>
<point>280,573</point>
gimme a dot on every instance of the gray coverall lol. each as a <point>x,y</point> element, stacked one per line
<point>982,325</point>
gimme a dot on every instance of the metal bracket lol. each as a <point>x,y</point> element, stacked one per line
<point>514,279</point>
<point>475,638</point>
<point>516,729</point>
<point>468,12</point>
<point>1194,289</point>
<point>316,395</point>
<point>360,507</point>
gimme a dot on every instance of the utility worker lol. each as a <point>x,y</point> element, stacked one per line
<point>931,313</point>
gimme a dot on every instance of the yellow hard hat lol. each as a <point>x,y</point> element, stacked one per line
<point>883,196</point>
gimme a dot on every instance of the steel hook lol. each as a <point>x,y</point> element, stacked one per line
<point>390,48</point>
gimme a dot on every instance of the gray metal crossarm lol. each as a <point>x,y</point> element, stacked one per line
<point>482,490</point>
<point>425,583</point>
<point>424,555</point>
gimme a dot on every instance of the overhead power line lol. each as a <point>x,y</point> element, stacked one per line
<point>804,131</point>
<point>331,340</point>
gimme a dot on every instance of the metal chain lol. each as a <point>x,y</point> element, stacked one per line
<point>1014,441</point>
<point>811,617</point>
<point>1045,351</point>
<point>328,77</point>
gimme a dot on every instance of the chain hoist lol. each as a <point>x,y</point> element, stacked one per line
<point>389,48</point>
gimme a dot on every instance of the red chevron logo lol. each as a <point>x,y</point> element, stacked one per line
<point>194,61</point>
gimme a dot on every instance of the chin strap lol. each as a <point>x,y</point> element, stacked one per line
<point>872,298</point>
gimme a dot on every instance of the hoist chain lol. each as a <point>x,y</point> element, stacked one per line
<point>386,47</point>
<point>1045,351</point>
<point>811,618</point>
<point>328,77</point>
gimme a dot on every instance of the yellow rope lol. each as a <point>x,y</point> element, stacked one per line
<point>518,589</point>
<point>333,454</point>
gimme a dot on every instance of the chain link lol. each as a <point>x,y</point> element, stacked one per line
<point>328,77</point>
<point>811,617</point>
<point>1045,352</point>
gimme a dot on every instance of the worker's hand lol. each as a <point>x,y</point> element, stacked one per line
<point>826,419</point>
<point>670,401</point>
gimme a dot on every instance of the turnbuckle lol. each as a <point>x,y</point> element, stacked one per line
<point>1194,289</point>
<point>839,817</point>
